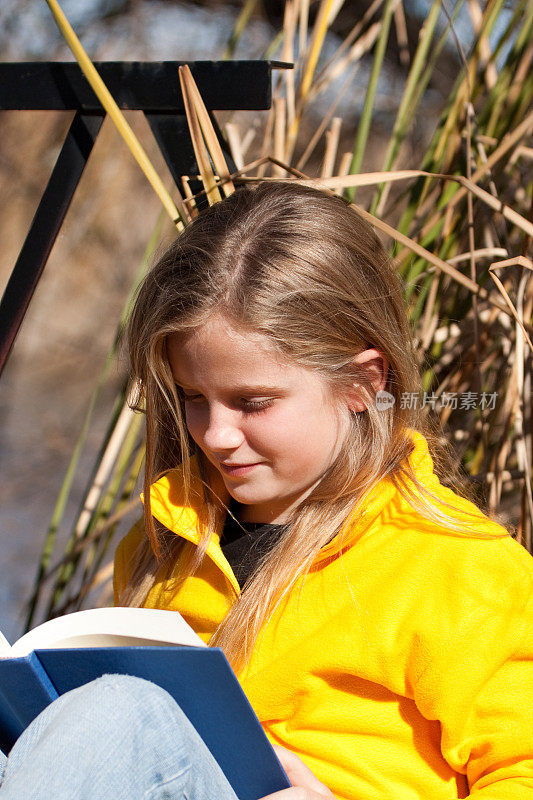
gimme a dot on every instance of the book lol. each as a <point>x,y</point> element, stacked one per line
<point>160,646</point>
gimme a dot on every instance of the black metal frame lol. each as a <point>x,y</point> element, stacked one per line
<point>150,87</point>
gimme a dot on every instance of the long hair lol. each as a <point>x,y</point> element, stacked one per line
<point>302,268</point>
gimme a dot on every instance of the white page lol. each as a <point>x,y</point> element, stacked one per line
<point>106,627</point>
<point>5,647</point>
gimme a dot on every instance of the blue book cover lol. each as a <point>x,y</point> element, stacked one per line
<point>198,678</point>
<point>25,689</point>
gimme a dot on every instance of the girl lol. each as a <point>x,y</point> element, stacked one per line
<point>379,623</point>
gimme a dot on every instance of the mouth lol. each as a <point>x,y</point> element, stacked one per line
<point>238,469</point>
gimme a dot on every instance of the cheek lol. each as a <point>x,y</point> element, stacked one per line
<point>317,433</point>
<point>284,431</point>
<point>194,419</point>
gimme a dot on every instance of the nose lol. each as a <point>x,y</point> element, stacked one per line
<point>223,431</point>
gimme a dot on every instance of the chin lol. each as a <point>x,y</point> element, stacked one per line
<point>240,494</point>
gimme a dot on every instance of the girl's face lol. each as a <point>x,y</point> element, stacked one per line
<point>267,426</point>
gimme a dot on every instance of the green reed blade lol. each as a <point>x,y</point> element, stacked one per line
<point>368,108</point>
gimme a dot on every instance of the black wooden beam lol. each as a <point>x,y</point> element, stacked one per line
<point>151,87</point>
<point>172,134</point>
<point>136,85</point>
<point>45,226</point>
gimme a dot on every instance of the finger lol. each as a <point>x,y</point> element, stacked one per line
<point>299,774</point>
<point>297,793</point>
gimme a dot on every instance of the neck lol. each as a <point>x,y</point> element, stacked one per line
<point>239,511</point>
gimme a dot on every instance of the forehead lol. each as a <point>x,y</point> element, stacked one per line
<point>218,353</point>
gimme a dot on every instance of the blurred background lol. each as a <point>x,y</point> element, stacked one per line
<point>69,330</point>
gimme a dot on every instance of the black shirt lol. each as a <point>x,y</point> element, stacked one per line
<point>244,543</point>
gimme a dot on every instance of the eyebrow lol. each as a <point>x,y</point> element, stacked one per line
<point>243,389</point>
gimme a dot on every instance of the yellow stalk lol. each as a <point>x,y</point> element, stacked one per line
<point>344,167</point>
<point>240,25</point>
<point>107,101</point>
<point>371,178</point>
<point>474,287</point>
<point>319,33</point>
<point>401,34</point>
<point>398,236</point>
<point>356,52</point>
<point>351,37</point>
<point>482,252</point>
<point>191,202</point>
<point>332,144</point>
<point>303,21</point>
<point>211,139</point>
<point>476,15</point>
<point>518,261</point>
<point>235,144</point>
<point>508,142</point>
<point>327,118</point>
<point>266,143</point>
<point>287,54</point>
<point>200,150</point>
<point>279,134</point>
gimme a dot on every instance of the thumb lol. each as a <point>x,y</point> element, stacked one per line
<point>299,773</point>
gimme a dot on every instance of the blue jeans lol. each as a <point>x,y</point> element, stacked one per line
<point>117,738</point>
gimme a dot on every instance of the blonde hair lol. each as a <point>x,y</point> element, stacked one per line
<point>302,268</point>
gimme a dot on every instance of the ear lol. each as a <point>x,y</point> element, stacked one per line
<point>376,366</point>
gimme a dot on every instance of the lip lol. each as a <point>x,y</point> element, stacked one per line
<point>238,469</point>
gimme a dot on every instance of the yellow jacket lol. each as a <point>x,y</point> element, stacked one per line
<point>401,667</point>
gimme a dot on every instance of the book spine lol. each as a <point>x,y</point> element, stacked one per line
<point>10,725</point>
<point>25,690</point>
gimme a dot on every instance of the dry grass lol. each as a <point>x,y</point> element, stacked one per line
<point>457,215</point>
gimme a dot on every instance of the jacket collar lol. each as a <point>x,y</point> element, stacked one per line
<point>167,500</point>
<point>377,498</point>
<point>168,506</point>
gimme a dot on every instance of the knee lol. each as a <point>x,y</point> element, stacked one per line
<point>120,696</point>
<point>116,687</point>
<point>148,713</point>
<point>128,685</point>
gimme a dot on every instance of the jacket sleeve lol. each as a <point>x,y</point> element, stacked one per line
<point>472,669</point>
<point>123,559</point>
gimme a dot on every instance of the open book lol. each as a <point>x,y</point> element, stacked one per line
<point>159,646</point>
<point>105,627</point>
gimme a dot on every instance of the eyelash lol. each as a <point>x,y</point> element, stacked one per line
<point>255,406</point>
<point>251,406</point>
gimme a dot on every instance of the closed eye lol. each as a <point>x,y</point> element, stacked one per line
<point>257,405</point>
<point>250,406</point>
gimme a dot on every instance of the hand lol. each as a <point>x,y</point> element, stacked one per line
<point>305,785</point>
